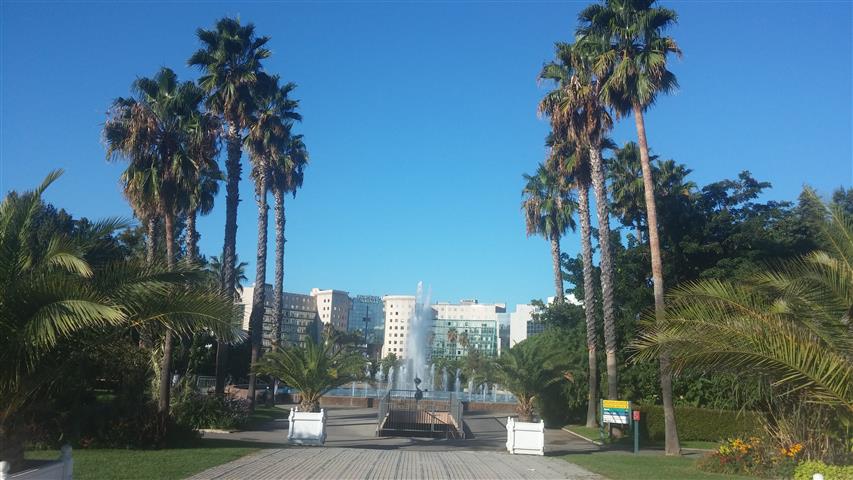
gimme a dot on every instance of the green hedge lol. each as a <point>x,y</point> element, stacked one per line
<point>699,423</point>
<point>805,470</point>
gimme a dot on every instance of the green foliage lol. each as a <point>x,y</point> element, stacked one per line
<point>62,293</point>
<point>197,411</point>
<point>805,471</point>
<point>530,367</point>
<point>700,423</point>
<point>313,369</point>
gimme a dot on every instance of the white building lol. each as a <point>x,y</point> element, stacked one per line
<point>399,310</point>
<point>522,324</point>
<point>333,307</point>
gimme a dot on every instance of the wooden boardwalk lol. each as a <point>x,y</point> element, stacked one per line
<point>380,464</point>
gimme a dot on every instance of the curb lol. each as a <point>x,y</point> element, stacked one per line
<point>204,431</point>
<point>600,444</point>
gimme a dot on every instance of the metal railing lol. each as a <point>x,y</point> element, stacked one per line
<point>400,413</point>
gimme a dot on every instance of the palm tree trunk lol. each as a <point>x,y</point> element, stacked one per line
<point>601,205</point>
<point>278,301</point>
<point>192,255</point>
<point>192,236</point>
<point>588,303</point>
<point>256,319</point>
<point>166,362</point>
<point>672,445</point>
<point>150,241</point>
<point>558,271</point>
<point>229,248</point>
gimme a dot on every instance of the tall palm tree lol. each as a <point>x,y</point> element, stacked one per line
<point>266,140</point>
<point>153,131</point>
<point>549,211</point>
<point>580,113</point>
<point>230,60</point>
<point>633,50</point>
<point>574,165</point>
<point>51,294</point>
<point>287,174</point>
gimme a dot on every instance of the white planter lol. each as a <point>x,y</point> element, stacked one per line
<point>61,469</point>
<point>307,428</point>
<point>524,437</point>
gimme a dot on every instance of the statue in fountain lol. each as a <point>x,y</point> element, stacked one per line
<point>419,394</point>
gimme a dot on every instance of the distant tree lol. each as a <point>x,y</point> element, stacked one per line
<point>548,211</point>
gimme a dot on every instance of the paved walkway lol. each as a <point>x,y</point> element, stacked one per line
<point>353,451</point>
<point>356,463</point>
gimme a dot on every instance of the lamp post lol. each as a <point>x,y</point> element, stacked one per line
<point>366,320</point>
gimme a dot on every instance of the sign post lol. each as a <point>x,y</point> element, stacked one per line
<point>636,431</point>
<point>615,412</point>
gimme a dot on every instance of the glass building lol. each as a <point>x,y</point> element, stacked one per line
<point>368,312</point>
<point>454,338</point>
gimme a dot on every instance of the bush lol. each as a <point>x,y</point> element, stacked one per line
<point>754,457</point>
<point>196,411</point>
<point>699,423</point>
<point>805,470</point>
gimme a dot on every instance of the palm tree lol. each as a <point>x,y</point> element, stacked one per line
<point>214,266</point>
<point>153,132</point>
<point>201,189</point>
<point>789,325</point>
<point>287,174</point>
<point>51,294</point>
<point>626,186</point>
<point>230,60</point>
<point>526,370</point>
<point>579,112</point>
<point>452,338</point>
<point>628,35</point>
<point>549,211</point>
<point>566,158</point>
<point>313,369</point>
<point>463,340</point>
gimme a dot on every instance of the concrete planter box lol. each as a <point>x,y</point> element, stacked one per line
<point>61,469</point>
<point>306,428</point>
<point>525,438</point>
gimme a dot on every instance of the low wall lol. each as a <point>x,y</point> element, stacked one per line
<point>489,407</point>
<point>330,401</point>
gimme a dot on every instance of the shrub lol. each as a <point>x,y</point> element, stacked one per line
<point>699,423</point>
<point>805,470</point>
<point>753,456</point>
<point>196,411</point>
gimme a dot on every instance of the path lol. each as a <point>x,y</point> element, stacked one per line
<point>353,451</point>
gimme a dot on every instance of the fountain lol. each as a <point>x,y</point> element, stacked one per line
<point>444,379</point>
<point>471,385</point>
<point>457,387</point>
<point>417,345</point>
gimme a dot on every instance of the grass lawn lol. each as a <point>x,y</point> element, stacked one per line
<point>172,463</point>
<point>627,466</point>
<point>594,434</point>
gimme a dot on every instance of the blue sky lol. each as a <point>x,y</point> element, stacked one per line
<point>421,117</point>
